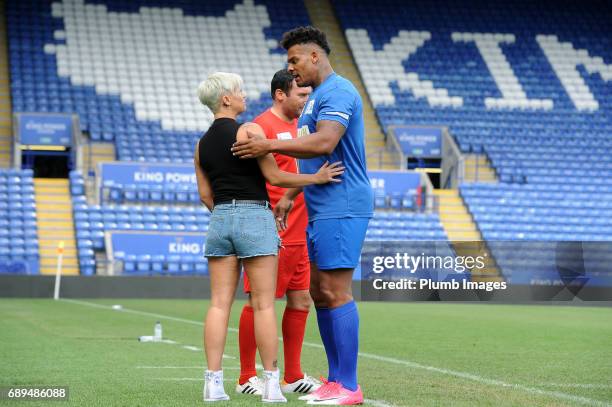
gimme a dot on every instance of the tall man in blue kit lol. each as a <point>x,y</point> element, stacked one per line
<point>331,128</point>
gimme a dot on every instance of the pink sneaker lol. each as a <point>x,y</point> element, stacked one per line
<point>318,392</point>
<point>337,395</point>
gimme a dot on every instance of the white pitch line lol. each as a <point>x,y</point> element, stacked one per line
<point>377,403</point>
<point>484,380</point>
<point>148,314</point>
<point>185,367</point>
<point>170,367</point>
<point>187,379</point>
<point>193,348</point>
<point>579,385</point>
<point>401,362</point>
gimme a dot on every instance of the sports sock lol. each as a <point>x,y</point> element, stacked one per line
<point>345,324</point>
<point>294,324</point>
<point>247,344</point>
<point>326,331</point>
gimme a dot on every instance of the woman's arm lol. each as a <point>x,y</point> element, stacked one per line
<point>204,188</point>
<point>279,178</point>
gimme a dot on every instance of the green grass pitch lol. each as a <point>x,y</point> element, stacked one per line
<point>413,354</point>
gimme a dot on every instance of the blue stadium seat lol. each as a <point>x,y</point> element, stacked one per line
<point>173,264</point>
<point>129,263</point>
<point>143,263</point>
<point>157,263</point>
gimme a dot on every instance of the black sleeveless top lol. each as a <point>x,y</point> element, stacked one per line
<point>230,177</point>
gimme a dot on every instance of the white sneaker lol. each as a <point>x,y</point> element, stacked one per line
<point>271,388</point>
<point>252,386</point>
<point>305,385</point>
<point>213,386</point>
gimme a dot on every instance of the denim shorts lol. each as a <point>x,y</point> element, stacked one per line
<point>241,230</point>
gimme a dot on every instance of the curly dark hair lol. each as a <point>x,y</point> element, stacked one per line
<point>305,35</point>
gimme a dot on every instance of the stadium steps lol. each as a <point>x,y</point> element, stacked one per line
<point>455,218</point>
<point>478,169</point>
<point>100,152</point>
<point>55,224</point>
<point>463,233</point>
<point>101,263</point>
<point>322,16</point>
<point>6,110</point>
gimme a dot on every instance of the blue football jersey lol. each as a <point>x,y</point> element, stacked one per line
<point>337,99</point>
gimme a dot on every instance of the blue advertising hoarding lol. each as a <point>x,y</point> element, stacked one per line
<point>158,243</point>
<point>420,142</point>
<point>45,129</point>
<point>118,173</point>
<point>394,181</point>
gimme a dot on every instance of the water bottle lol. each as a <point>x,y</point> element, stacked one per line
<point>157,332</point>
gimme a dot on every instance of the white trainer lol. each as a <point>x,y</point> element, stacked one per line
<point>271,388</point>
<point>252,386</point>
<point>213,386</point>
<point>305,385</point>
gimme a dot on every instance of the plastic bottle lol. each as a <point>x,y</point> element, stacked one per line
<point>157,332</point>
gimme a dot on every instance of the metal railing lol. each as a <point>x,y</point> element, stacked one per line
<point>376,159</point>
<point>453,163</point>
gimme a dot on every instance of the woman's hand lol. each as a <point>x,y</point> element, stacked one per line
<point>281,212</point>
<point>328,172</point>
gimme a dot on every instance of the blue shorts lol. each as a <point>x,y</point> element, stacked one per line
<point>336,243</point>
<point>241,230</point>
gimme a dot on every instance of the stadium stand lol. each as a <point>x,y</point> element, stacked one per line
<point>396,225</point>
<point>457,64</point>
<point>18,234</point>
<point>92,221</point>
<point>530,212</point>
<point>523,87</point>
<point>117,66</point>
<point>172,193</point>
<point>6,124</point>
<point>54,69</point>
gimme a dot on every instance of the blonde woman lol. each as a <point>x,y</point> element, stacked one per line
<point>242,229</point>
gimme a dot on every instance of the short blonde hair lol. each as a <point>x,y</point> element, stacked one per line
<point>217,85</point>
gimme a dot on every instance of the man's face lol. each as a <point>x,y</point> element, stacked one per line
<point>301,59</point>
<point>293,103</point>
